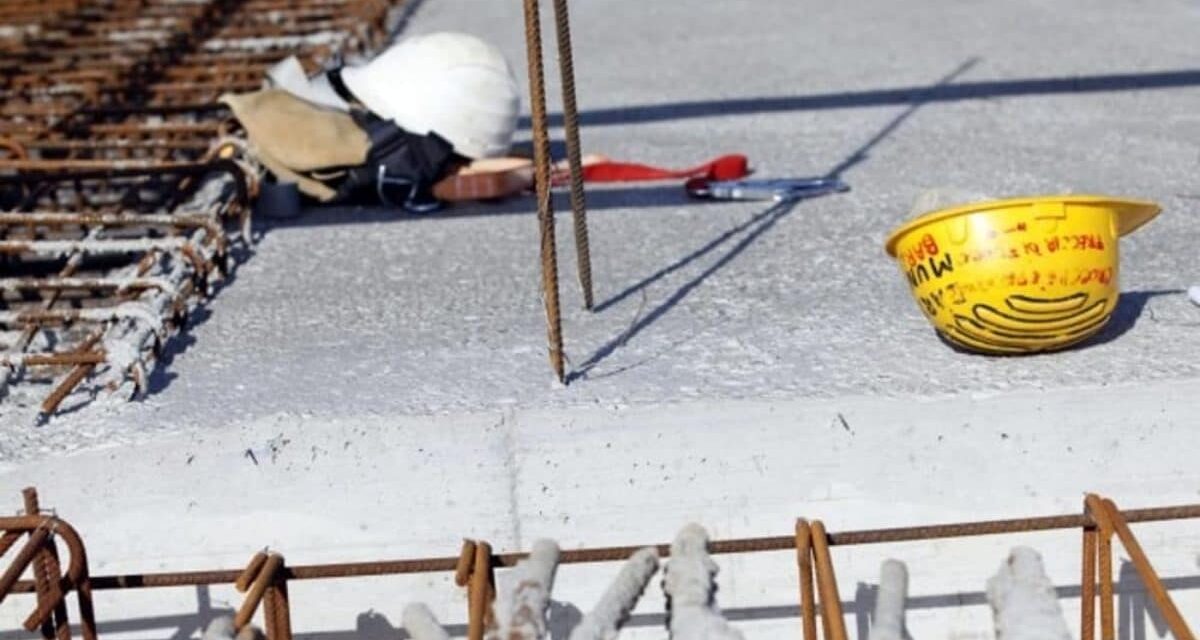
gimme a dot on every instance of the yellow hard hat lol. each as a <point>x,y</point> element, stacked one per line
<point>1018,276</point>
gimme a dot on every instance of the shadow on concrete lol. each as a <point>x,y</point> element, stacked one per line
<point>657,196</point>
<point>753,228</point>
<point>1135,614</point>
<point>1130,307</point>
<point>978,90</point>
<point>598,199</point>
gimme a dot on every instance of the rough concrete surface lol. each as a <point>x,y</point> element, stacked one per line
<point>734,333</point>
<point>348,312</point>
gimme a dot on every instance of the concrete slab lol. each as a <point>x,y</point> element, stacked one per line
<point>372,311</point>
<point>416,337</point>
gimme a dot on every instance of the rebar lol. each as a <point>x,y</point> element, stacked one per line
<point>541,162</point>
<point>1087,586</point>
<point>254,596</point>
<point>45,569</point>
<point>1158,593</point>
<point>283,611</point>
<point>198,252</point>
<point>1095,508</point>
<point>77,577</point>
<point>613,554</point>
<point>566,66</point>
<point>831,603</point>
<point>22,560</point>
<point>808,608</point>
<point>253,568</point>
<point>479,591</point>
<point>112,110</point>
<point>267,576</point>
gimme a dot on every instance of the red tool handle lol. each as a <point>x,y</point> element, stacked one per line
<point>729,167</point>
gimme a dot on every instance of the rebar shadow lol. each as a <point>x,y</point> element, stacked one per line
<point>767,218</point>
<point>979,90</point>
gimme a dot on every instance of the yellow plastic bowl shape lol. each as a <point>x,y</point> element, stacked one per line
<point>1018,276</point>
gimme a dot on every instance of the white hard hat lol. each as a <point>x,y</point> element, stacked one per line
<point>452,84</point>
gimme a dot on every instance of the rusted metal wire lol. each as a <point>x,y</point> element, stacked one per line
<point>566,66</point>
<point>541,162</point>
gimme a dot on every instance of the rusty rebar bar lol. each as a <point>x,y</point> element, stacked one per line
<point>466,559</point>
<point>613,554</point>
<point>1158,592</point>
<point>83,369</point>
<point>482,554</point>
<point>808,608</point>
<point>1087,584</point>
<point>61,219</point>
<point>269,620</point>
<point>246,578</point>
<point>283,611</point>
<point>42,580</point>
<point>86,284</point>
<point>55,359</point>
<point>266,576</point>
<point>30,332</point>
<point>1097,511</point>
<point>65,387</point>
<point>541,161</point>
<point>831,603</point>
<point>479,591</point>
<point>566,66</point>
<point>22,560</point>
<point>51,612</point>
<point>7,540</point>
<point>77,576</point>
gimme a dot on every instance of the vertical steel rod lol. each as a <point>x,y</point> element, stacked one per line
<point>1108,629</point>
<point>269,619</point>
<point>283,610</point>
<point>808,608</point>
<point>1087,597</point>
<point>541,161</point>
<point>831,601</point>
<point>566,66</point>
<point>479,591</point>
